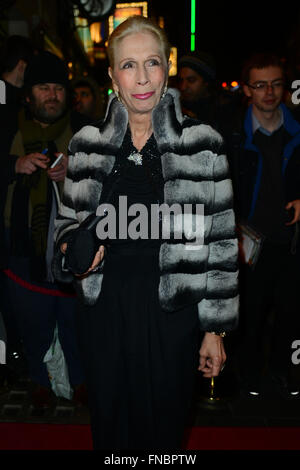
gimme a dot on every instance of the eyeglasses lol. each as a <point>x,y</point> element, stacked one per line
<point>262,86</point>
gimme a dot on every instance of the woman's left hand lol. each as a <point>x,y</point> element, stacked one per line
<point>212,355</point>
<point>295,205</point>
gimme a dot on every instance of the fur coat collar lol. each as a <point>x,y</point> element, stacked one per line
<point>195,170</point>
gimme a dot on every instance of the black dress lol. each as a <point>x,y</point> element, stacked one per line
<point>140,361</point>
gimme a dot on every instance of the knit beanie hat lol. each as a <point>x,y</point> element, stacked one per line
<point>201,63</point>
<point>46,68</point>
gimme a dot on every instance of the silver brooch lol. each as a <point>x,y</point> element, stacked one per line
<point>136,157</point>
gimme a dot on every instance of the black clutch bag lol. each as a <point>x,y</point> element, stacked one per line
<point>83,245</point>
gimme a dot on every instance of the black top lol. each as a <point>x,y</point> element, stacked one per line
<point>137,184</point>
<point>270,215</point>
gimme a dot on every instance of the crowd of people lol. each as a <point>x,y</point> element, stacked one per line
<point>147,316</point>
<point>262,137</point>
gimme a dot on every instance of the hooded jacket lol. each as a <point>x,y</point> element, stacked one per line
<point>195,170</point>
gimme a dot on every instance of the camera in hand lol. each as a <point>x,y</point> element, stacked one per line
<point>83,246</point>
<point>51,151</point>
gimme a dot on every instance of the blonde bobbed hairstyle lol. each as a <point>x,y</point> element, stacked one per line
<point>137,24</point>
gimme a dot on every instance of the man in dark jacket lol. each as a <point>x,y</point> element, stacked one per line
<point>15,54</point>
<point>200,98</point>
<point>45,128</point>
<point>264,155</point>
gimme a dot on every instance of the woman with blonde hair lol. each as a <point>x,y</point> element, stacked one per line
<point>144,299</point>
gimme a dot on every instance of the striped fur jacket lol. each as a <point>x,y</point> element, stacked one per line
<point>195,171</point>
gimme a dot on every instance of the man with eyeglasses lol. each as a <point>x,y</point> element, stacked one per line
<point>264,155</point>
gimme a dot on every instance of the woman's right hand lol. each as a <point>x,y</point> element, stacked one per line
<point>96,261</point>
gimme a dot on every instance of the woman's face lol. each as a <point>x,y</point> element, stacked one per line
<point>139,73</point>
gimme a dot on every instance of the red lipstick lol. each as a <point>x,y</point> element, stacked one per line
<point>143,96</point>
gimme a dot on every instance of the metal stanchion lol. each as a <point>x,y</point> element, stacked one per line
<point>212,395</point>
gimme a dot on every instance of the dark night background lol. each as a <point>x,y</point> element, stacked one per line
<point>230,32</point>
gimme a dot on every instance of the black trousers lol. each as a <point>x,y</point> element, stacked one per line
<point>140,362</point>
<point>270,311</point>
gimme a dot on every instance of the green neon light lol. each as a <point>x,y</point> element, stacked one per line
<point>193,16</point>
<point>193,42</point>
<point>193,24</point>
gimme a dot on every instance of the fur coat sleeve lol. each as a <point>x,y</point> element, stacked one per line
<point>195,171</point>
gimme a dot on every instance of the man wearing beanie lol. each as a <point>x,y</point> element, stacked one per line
<point>45,127</point>
<point>197,85</point>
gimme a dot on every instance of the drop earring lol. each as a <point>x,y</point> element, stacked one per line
<point>164,92</point>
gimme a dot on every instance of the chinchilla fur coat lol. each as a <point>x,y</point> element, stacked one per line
<point>195,171</point>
